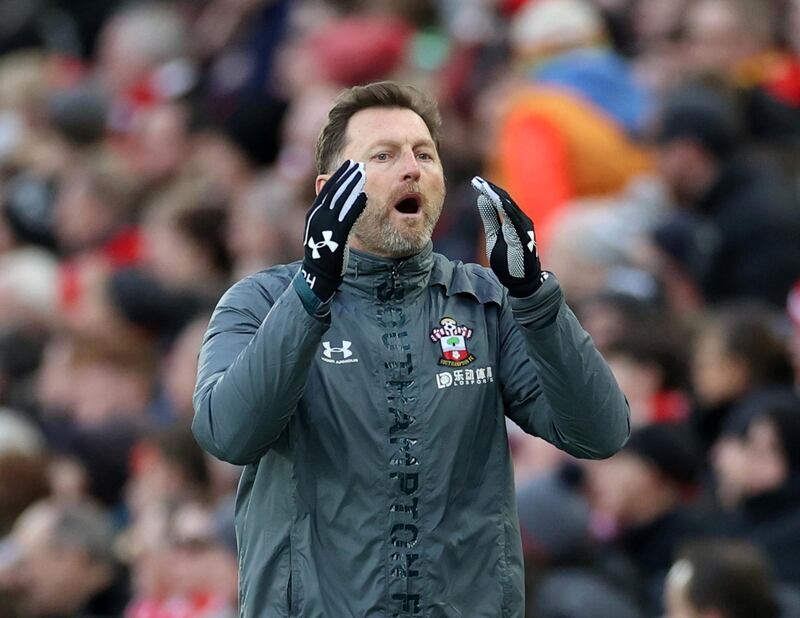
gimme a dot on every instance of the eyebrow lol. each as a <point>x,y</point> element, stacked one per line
<point>427,142</point>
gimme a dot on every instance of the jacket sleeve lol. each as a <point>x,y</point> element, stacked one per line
<point>556,385</point>
<point>252,370</point>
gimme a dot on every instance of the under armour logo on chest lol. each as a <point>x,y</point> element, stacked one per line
<point>328,350</point>
<point>325,242</point>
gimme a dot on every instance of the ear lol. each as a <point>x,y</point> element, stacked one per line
<point>320,182</point>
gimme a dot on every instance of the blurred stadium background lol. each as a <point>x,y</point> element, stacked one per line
<point>152,153</point>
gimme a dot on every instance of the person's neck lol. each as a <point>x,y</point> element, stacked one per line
<point>376,252</point>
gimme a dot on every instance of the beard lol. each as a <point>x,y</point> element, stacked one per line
<point>378,234</point>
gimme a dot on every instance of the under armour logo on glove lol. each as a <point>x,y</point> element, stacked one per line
<point>510,243</point>
<point>332,216</point>
<point>325,242</point>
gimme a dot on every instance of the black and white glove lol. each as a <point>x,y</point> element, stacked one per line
<point>510,245</point>
<point>328,223</point>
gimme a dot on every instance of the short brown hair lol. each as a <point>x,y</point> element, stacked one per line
<point>379,94</point>
<point>732,577</point>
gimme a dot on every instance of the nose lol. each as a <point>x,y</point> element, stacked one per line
<point>410,166</point>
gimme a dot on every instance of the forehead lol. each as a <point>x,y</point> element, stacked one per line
<point>712,15</point>
<point>385,124</point>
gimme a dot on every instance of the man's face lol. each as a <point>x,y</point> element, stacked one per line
<point>44,580</point>
<point>718,37</point>
<point>686,169</point>
<point>405,181</point>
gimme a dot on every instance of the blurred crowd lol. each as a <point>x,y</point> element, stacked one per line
<point>152,153</point>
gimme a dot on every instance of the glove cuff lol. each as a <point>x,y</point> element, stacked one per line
<point>310,301</point>
<point>526,287</point>
<point>540,309</point>
<point>319,282</point>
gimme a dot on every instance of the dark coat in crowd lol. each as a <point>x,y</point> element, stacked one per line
<point>771,520</point>
<point>758,219</point>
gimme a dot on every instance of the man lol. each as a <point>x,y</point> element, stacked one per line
<point>723,579</point>
<point>745,214</point>
<point>367,396</point>
<point>735,41</point>
<point>646,490</point>
<point>59,562</point>
<point>567,124</point>
<point>756,463</point>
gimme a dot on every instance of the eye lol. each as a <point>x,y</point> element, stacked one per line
<point>381,156</point>
<point>425,156</point>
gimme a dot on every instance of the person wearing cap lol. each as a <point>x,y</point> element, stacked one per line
<point>366,388</point>
<point>752,209</point>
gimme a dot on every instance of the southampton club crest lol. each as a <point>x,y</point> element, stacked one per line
<point>453,339</point>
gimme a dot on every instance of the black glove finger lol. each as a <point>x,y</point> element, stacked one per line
<point>498,260</point>
<point>521,223</point>
<point>354,212</point>
<point>333,181</point>
<point>338,184</point>
<point>348,191</point>
<point>340,175</point>
<point>523,227</point>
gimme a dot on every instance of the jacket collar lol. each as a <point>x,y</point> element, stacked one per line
<point>396,279</point>
<point>389,278</point>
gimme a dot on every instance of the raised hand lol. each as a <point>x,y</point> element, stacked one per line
<point>510,243</point>
<point>328,224</point>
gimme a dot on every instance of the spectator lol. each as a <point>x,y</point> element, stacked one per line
<point>567,126</point>
<point>736,40</point>
<point>180,567</point>
<point>738,351</point>
<point>65,563</point>
<point>141,59</point>
<point>94,399</point>
<point>93,209</point>
<point>565,576</point>
<point>260,224</point>
<point>752,209</point>
<point>23,468</point>
<point>645,490</point>
<point>158,144</point>
<point>168,466</point>
<point>153,152</point>
<point>179,370</point>
<point>650,364</point>
<point>184,238</point>
<point>761,471</point>
<point>725,580</point>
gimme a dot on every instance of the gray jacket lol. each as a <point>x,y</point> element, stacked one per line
<point>378,480</point>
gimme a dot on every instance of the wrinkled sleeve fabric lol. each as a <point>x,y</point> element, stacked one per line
<point>556,385</point>
<point>252,370</point>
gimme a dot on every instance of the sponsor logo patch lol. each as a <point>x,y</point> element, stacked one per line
<point>464,377</point>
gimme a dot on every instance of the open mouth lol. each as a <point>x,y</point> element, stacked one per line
<point>408,204</point>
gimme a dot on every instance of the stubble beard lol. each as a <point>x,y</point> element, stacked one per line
<point>378,234</point>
